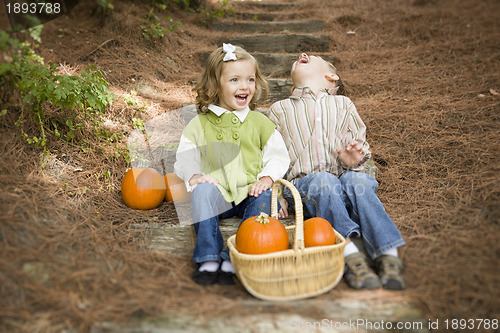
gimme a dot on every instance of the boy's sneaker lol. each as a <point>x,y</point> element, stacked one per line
<point>358,274</point>
<point>389,269</point>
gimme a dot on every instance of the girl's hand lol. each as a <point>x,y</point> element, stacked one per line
<point>260,186</point>
<point>200,179</point>
<point>352,154</point>
<point>283,212</point>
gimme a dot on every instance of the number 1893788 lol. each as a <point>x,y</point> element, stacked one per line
<point>33,7</point>
<point>471,324</point>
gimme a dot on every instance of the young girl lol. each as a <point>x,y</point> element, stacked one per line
<point>228,155</point>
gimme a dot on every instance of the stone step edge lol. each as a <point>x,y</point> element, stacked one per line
<point>267,27</point>
<point>258,16</point>
<point>228,224</point>
<point>280,43</point>
<point>278,35</point>
<point>263,4</point>
<point>180,239</point>
<point>339,315</point>
<point>232,21</point>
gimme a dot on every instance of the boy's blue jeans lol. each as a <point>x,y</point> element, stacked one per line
<point>351,203</point>
<point>208,206</point>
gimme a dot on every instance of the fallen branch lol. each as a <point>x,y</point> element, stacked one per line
<point>97,48</point>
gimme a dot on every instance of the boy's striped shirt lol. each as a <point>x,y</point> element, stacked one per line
<point>314,127</point>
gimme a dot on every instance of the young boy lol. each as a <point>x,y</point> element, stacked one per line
<point>331,169</point>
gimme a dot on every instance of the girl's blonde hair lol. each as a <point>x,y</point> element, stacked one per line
<point>207,87</point>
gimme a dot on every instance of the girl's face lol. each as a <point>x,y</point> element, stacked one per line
<point>237,84</point>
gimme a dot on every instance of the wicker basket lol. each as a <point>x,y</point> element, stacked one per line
<point>295,273</point>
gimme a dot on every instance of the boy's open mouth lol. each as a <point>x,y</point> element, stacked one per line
<point>303,59</point>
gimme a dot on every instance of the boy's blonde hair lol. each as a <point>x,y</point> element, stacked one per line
<point>207,87</point>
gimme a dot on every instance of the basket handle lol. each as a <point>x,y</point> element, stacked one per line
<point>298,243</point>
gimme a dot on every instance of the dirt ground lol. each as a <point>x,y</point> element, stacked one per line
<point>424,75</point>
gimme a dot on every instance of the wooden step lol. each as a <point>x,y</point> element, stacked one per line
<point>268,27</point>
<point>290,43</point>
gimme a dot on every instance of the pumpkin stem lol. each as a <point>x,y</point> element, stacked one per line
<point>262,218</point>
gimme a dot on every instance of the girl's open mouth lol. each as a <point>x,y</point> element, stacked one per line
<point>241,98</point>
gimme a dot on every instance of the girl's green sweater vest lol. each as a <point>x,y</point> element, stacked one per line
<point>231,151</point>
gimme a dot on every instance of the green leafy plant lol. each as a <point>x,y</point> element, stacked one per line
<point>162,4</point>
<point>66,107</point>
<point>107,176</point>
<point>154,27</point>
<point>105,5</point>
<point>184,4</point>
<point>209,16</point>
<point>138,123</point>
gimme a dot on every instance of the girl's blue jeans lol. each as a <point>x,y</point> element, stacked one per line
<point>351,205</point>
<point>207,207</point>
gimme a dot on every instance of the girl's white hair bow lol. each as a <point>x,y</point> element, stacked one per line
<point>229,49</point>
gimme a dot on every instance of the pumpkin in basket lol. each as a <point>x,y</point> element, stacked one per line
<point>143,188</point>
<point>176,189</point>
<point>261,234</point>
<point>318,232</point>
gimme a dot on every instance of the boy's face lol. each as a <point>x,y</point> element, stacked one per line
<point>312,68</point>
<point>237,84</point>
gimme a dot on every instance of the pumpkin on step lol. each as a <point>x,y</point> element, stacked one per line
<point>143,188</point>
<point>176,189</point>
<point>318,232</point>
<point>261,234</point>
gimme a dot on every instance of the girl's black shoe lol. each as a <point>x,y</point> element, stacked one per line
<point>226,278</point>
<point>205,278</point>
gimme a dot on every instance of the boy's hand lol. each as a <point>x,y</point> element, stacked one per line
<point>200,179</point>
<point>352,154</point>
<point>260,186</point>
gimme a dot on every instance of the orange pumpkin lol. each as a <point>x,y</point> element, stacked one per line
<point>261,234</point>
<point>318,232</point>
<point>176,189</point>
<point>143,188</point>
